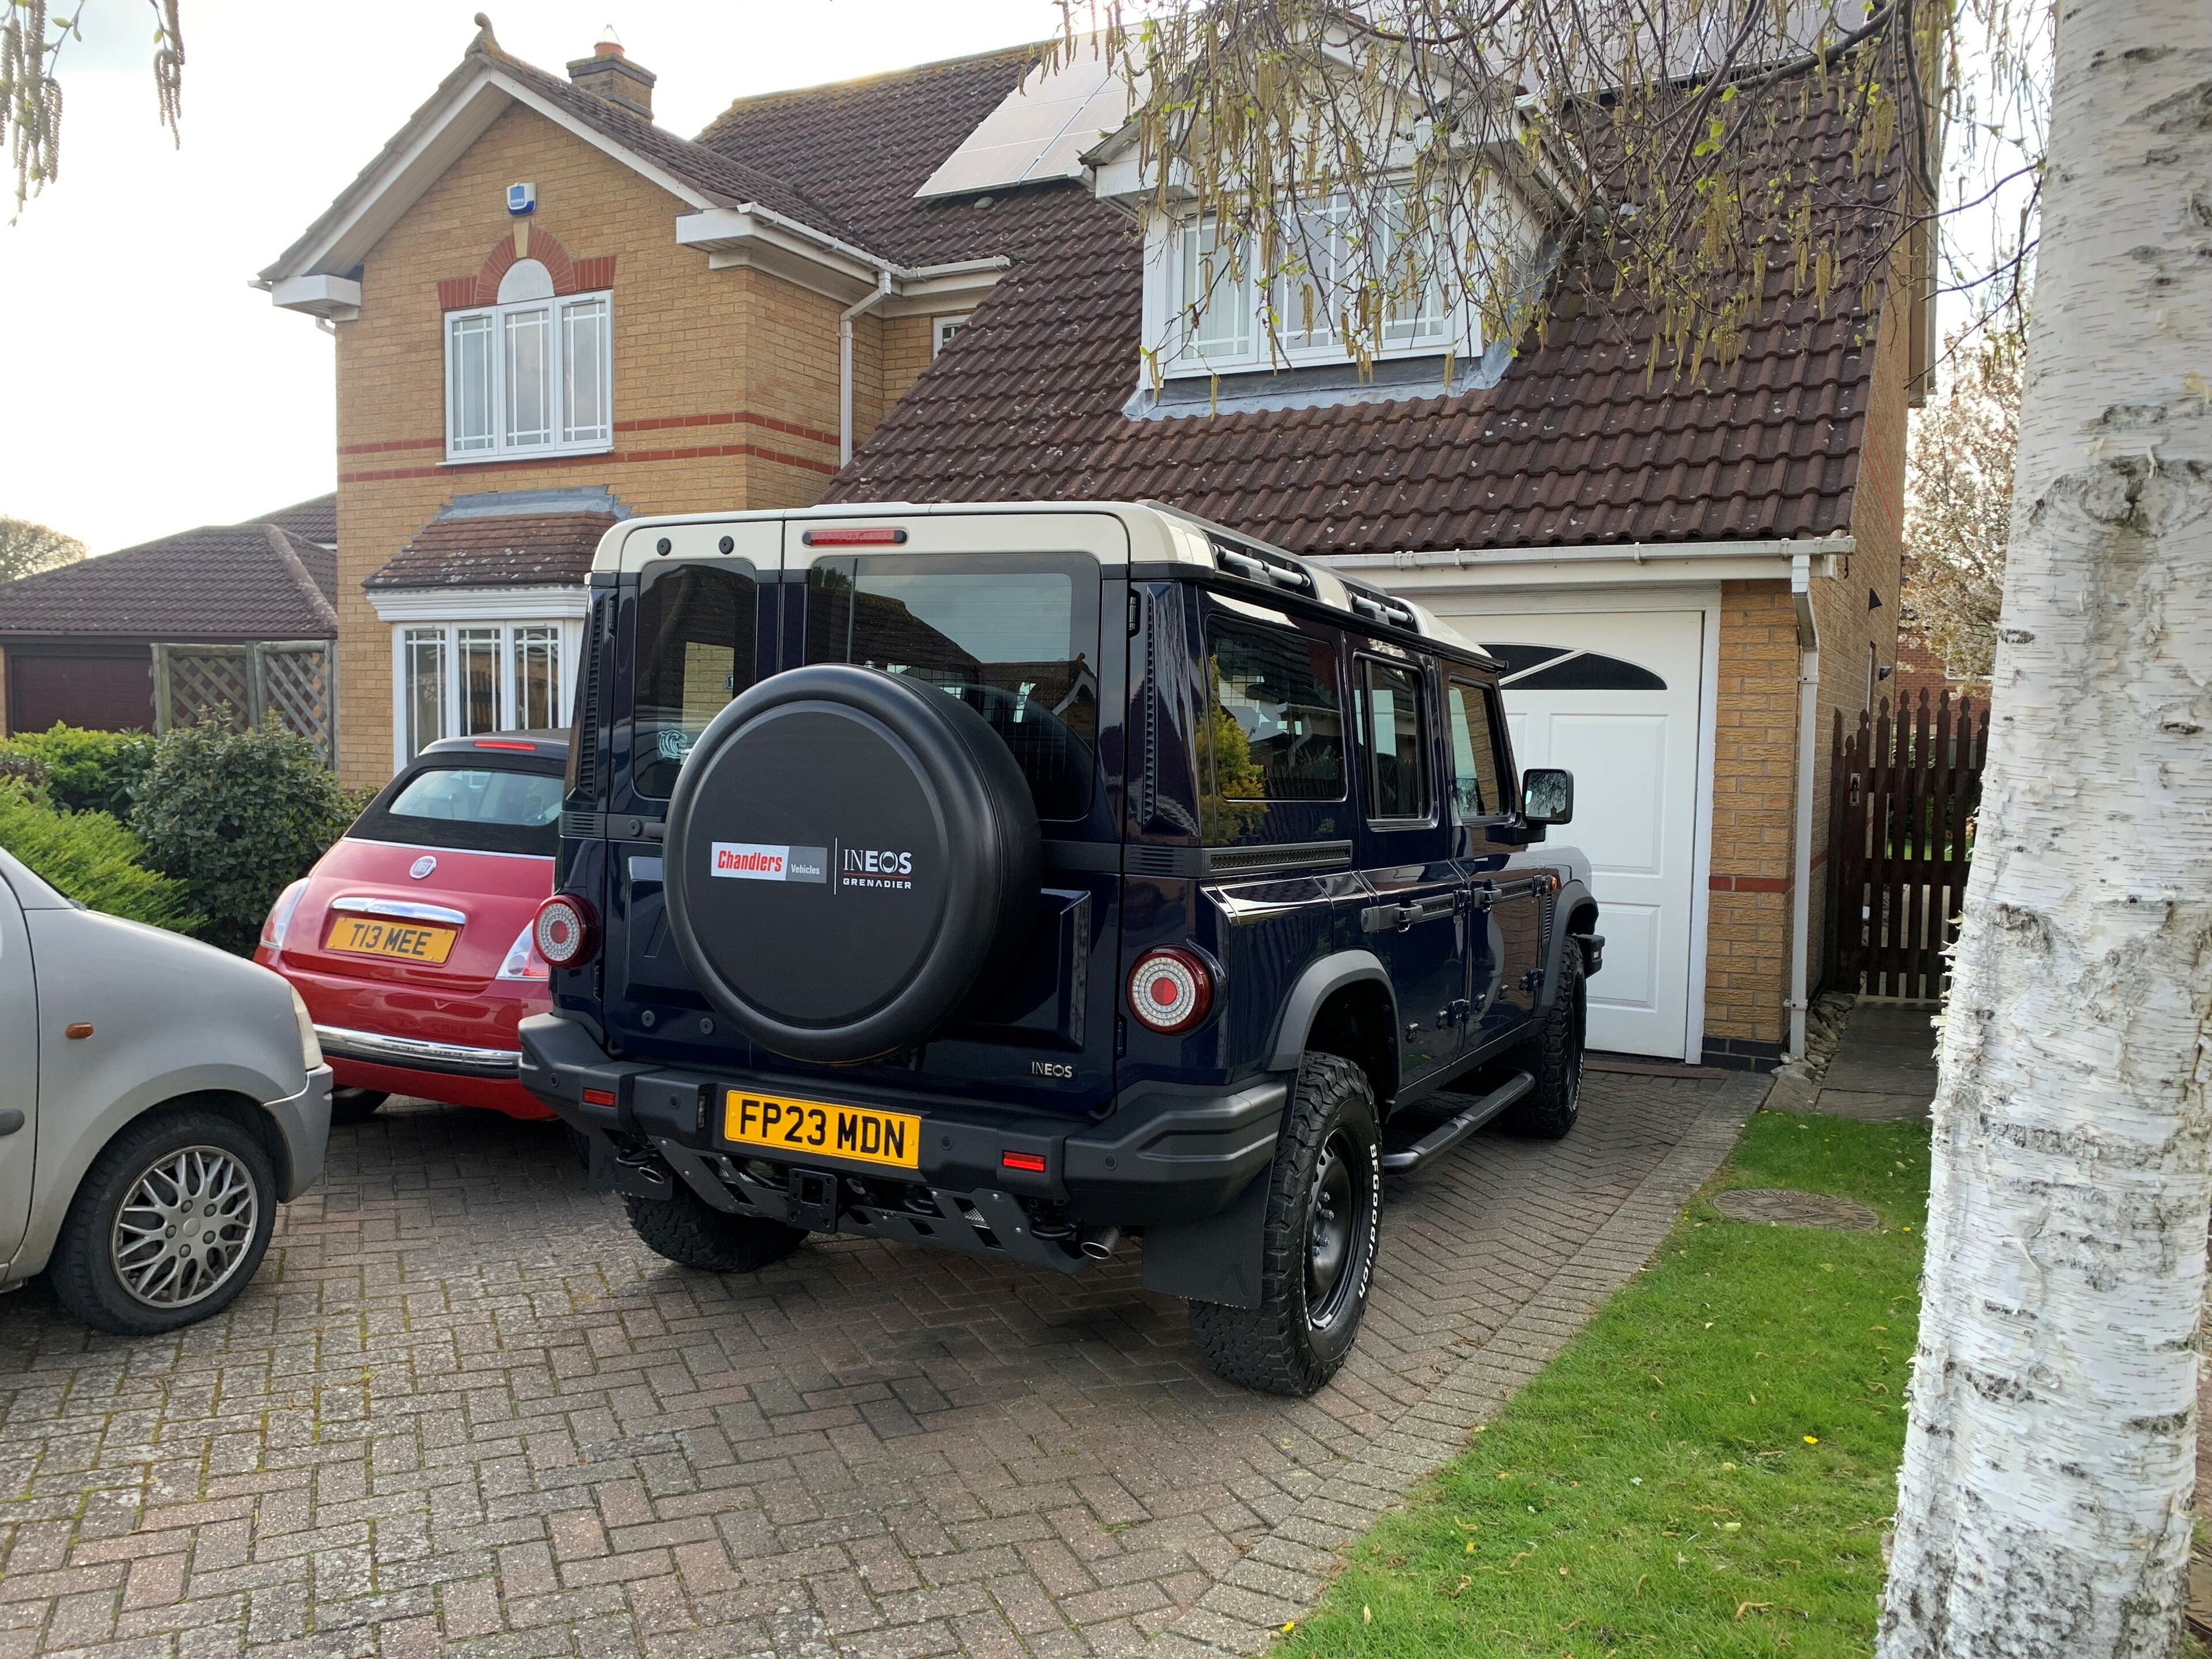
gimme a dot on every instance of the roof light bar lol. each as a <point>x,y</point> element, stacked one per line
<point>859,535</point>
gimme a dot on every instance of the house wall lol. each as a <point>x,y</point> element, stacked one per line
<point>725,381</point>
<point>1848,623</point>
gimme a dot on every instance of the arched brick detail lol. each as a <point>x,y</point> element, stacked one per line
<point>570,275</point>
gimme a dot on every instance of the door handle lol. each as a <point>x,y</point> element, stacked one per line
<point>10,1120</point>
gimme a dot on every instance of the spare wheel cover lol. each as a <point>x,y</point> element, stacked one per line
<point>850,855</point>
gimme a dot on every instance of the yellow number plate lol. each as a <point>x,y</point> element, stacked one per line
<point>408,941</point>
<point>798,1128</point>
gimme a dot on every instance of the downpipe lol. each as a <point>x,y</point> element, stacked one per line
<point>845,362</point>
<point>1800,908</point>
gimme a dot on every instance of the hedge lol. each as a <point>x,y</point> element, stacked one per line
<point>86,771</point>
<point>92,858</point>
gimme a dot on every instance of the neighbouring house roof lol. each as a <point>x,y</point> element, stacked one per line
<point>219,582</point>
<point>1579,441</point>
<point>522,549</point>
<point>315,520</point>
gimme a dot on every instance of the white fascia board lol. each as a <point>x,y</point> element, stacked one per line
<point>434,604</point>
<point>931,290</point>
<point>1635,566</point>
<point>375,204</point>
<point>757,238</point>
<point>320,295</point>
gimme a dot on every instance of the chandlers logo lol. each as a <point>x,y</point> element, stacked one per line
<point>746,860</point>
<point>868,866</point>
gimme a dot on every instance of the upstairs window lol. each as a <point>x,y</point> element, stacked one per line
<point>1225,315</point>
<point>532,375</point>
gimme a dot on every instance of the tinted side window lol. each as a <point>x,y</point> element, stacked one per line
<point>1277,727</point>
<point>1391,724</point>
<point>695,653</point>
<point>1475,778</point>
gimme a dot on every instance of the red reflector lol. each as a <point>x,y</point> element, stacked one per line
<point>501,743</point>
<point>1033,1162</point>
<point>598,1097</point>
<point>869,536</point>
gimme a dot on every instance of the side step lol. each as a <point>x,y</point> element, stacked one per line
<point>1448,1134</point>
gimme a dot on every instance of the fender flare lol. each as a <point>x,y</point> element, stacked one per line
<point>1322,980</point>
<point>1572,895</point>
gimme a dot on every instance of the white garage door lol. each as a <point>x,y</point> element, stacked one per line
<point>1613,696</point>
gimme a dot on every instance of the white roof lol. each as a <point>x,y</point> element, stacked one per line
<point>1041,128</point>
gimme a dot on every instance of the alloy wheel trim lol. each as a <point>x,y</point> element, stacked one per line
<point>186,1223</point>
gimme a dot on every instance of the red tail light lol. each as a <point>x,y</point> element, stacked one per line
<point>566,930</point>
<point>1033,1162</point>
<point>1170,989</point>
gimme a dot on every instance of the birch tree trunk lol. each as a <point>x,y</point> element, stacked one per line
<point>2044,1506</point>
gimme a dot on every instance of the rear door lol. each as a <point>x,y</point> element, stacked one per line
<point>1506,922</point>
<point>19,1071</point>
<point>1415,917</point>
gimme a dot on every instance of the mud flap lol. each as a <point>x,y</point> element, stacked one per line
<point>1216,1259</point>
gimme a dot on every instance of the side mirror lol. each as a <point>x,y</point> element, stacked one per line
<point>1547,795</point>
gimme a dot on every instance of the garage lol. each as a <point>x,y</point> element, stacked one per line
<point>1614,696</point>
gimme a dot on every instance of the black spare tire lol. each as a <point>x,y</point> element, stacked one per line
<point>851,859</point>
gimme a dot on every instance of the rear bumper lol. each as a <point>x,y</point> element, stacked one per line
<point>1163,1154</point>
<point>417,1054</point>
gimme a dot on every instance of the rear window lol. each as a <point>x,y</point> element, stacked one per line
<point>1014,637</point>
<point>696,627</point>
<point>470,807</point>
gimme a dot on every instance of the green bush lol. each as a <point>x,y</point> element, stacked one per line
<point>92,858</point>
<point>87,771</point>
<point>25,772</point>
<point>235,816</point>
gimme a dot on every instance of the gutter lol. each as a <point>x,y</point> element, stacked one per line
<point>1796,549</point>
<point>1800,910</point>
<point>881,291</point>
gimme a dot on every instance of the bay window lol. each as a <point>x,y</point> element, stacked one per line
<point>459,679</point>
<point>532,375</point>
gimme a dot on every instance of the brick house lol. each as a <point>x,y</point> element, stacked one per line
<point>939,283</point>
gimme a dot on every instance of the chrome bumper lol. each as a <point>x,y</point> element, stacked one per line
<point>416,1055</point>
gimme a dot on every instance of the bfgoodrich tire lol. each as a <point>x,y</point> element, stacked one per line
<point>1553,1056</point>
<point>692,1233</point>
<point>168,1225</point>
<point>1324,1223</point>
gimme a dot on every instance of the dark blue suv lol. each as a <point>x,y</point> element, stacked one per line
<point>1024,880</point>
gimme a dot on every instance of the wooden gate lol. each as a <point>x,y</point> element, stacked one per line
<point>293,682</point>
<point>1901,834</point>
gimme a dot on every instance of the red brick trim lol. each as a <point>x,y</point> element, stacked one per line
<point>1749,883</point>
<point>569,275</point>
<point>386,448</point>
<point>756,452</point>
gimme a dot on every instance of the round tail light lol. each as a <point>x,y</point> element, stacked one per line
<point>1170,989</point>
<point>566,930</point>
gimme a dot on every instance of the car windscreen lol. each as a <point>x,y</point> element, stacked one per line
<point>1014,636</point>
<point>468,805</point>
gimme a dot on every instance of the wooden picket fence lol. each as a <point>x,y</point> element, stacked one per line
<point>1900,837</point>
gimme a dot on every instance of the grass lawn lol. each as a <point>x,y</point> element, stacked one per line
<point>1705,1470</point>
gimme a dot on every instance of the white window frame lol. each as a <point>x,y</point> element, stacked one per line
<point>942,329</point>
<point>496,318</point>
<point>1168,332</point>
<point>509,610</point>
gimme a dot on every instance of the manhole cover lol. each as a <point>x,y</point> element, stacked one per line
<point>1792,1209</point>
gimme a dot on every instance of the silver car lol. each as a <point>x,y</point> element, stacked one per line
<point>158,1100</point>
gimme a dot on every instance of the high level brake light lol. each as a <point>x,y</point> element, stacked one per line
<point>566,930</point>
<point>857,536</point>
<point>1170,989</point>
<point>506,743</point>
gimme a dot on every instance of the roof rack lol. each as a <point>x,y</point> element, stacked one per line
<point>1261,563</point>
<point>1376,605</point>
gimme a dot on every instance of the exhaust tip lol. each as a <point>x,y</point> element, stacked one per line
<point>1100,1245</point>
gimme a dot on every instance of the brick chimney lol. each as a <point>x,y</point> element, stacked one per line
<point>607,73</point>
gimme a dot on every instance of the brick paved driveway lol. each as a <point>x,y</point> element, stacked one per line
<point>463,1411</point>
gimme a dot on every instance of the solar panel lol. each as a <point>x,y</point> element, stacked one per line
<point>1039,130</point>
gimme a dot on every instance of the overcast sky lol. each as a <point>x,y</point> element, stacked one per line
<point>149,389</point>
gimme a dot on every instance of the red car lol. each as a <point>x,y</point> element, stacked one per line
<point>410,940</point>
